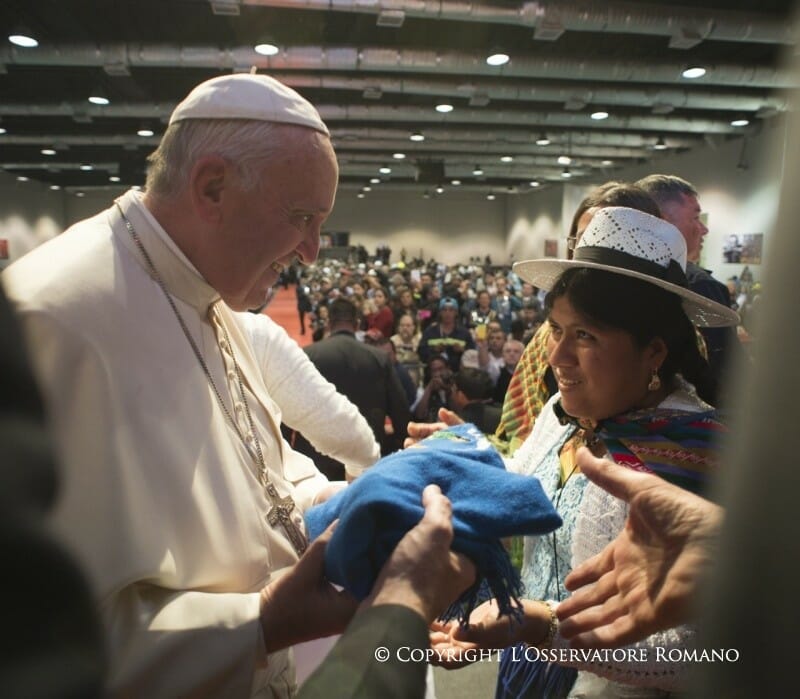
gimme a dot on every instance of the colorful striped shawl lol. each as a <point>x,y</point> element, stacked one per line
<point>680,446</point>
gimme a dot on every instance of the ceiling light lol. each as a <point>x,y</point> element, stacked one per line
<point>145,132</point>
<point>535,183</point>
<point>266,49</point>
<point>491,197</point>
<point>426,194</point>
<point>497,59</point>
<point>507,159</point>
<point>375,180</point>
<point>98,97</point>
<point>660,144</point>
<point>439,189</point>
<point>444,108</point>
<point>47,151</point>
<point>417,136</point>
<point>54,187</point>
<point>80,194</point>
<point>399,156</point>
<point>693,72</point>
<point>478,171</point>
<point>598,116</point>
<point>385,170</point>
<point>543,140</point>
<point>2,130</point>
<point>361,195</point>
<point>564,160</point>
<point>607,162</point>
<point>86,168</point>
<point>366,188</point>
<point>113,178</point>
<point>566,174</point>
<point>740,122</point>
<point>22,178</point>
<point>455,183</point>
<point>23,40</point>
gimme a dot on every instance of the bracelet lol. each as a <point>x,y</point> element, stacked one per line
<point>552,627</point>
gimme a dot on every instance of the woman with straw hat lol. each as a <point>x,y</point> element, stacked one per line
<point>624,354</point>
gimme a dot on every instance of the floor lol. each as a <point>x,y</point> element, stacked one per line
<point>283,310</point>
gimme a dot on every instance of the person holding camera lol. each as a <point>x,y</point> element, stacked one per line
<point>436,394</point>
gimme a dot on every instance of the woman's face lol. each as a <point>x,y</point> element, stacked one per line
<point>379,298</point>
<point>600,371</point>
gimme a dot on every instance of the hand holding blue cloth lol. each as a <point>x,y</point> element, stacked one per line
<point>489,503</point>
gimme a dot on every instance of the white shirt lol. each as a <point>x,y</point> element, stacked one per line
<point>160,499</point>
<point>309,402</point>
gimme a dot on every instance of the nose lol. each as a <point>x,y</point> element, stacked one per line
<point>560,351</point>
<point>308,250</point>
<point>702,227</point>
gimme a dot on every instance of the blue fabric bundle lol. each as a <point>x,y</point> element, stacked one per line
<point>489,503</point>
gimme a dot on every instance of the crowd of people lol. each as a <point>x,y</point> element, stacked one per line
<point>182,502</point>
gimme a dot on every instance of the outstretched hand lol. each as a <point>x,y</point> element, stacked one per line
<point>417,431</point>
<point>645,579</point>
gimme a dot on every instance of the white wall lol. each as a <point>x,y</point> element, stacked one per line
<point>460,224</point>
<point>30,214</point>
<point>450,227</point>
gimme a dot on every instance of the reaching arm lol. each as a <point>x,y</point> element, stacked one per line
<point>309,403</point>
<point>646,578</point>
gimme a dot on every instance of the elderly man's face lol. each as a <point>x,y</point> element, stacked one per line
<point>265,228</point>
<point>684,213</point>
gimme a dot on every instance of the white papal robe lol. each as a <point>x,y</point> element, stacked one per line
<point>160,499</point>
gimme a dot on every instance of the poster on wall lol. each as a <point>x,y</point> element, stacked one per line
<point>3,248</point>
<point>743,249</point>
<point>551,247</point>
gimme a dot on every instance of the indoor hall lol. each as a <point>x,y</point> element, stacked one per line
<point>466,134</point>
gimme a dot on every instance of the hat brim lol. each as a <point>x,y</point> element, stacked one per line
<point>703,312</point>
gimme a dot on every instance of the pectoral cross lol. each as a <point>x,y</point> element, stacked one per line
<point>280,513</point>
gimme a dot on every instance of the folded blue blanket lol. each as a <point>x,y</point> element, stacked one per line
<point>489,503</point>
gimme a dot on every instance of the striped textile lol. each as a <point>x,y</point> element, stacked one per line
<point>527,392</point>
<point>680,446</point>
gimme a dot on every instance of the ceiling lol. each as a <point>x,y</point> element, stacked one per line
<point>376,69</point>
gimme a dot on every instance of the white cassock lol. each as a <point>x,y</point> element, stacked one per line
<point>160,499</point>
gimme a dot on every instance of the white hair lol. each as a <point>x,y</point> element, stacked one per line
<point>248,144</point>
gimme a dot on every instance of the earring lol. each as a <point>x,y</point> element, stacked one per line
<point>655,381</point>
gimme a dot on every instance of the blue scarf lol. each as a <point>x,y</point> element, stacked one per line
<point>489,503</point>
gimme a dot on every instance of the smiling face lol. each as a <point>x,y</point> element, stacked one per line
<point>600,371</point>
<point>263,229</point>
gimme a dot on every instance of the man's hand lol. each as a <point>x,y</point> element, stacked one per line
<point>302,605</point>
<point>423,573</point>
<point>417,431</point>
<point>645,579</point>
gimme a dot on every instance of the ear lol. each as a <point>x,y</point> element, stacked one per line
<point>656,352</point>
<point>211,176</point>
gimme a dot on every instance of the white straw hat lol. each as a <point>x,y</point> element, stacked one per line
<point>248,96</point>
<point>635,244</point>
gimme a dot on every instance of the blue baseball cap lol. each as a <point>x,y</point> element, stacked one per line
<point>448,302</point>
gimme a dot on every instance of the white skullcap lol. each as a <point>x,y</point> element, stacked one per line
<point>247,96</point>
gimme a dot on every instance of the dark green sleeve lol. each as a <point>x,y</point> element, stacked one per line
<point>351,670</point>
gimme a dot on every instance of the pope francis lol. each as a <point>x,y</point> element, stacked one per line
<point>179,496</point>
